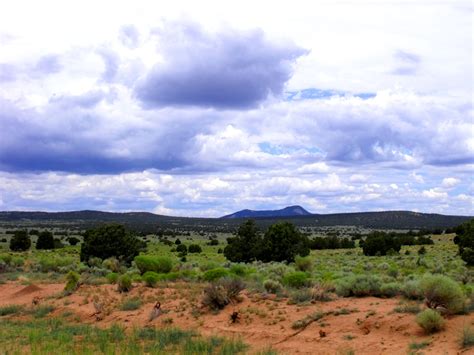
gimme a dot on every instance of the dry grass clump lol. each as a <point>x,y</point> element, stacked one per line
<point>219,294</point>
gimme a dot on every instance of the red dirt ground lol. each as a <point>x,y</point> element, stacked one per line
<point>371,327</point>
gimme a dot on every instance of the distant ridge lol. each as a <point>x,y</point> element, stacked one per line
<point>290,211</point>
<point>150,222</point>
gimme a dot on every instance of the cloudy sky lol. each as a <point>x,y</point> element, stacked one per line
<point>202,108</point>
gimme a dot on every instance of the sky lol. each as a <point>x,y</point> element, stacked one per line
<point>202,108</point>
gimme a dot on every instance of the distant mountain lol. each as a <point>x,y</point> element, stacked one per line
<point>290,211</point>
<point>150,223</point>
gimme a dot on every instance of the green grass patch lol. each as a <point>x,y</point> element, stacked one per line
<point>54,336</point>
<point>11,309</point>
<point>130,304</point>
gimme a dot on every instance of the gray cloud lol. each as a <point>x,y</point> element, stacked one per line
<point>48,64</point>
<point>129,36</point>
<point>45,65</point>
<point>69,135</point>
<point>111,62</point>
<point>229,69</point>
<point>406,63</point>
<point>8,72</point>
<point>87,100</point>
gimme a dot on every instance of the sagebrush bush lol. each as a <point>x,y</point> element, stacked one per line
<point>112,264</point>
<point>392,272</point>
<point>72,281</point>
<point>124,283</point>
<point>359,286</point>
<point>219,294</point>
<point>430,320</point>
<point>17,261</point>
<point>7,258</point>
<point>303,263</point>
<point>159,264</point>
<point>151,278</point>
<point>54,263</point>
<point>390,289</point>
<point>112,277</point>
<point>467,337</point>
<point>303,295</point>
<point>214,274</point>
<point>411,290</point>
<point>238,269</point>
<point>94,262</point>
<point>272,286</point>
<point>297,279</point>
<point>321,293</point>
<point>441,291</point>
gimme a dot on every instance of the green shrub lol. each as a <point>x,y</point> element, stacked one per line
<point>72,281</point>
<point>381,243</point>
<point>7,258</point>
<point>45,240</point>
<point>215,274</point>
<point>54,263</point>
<point>303,263</point>
<point>181,248</point>
<point>297,279</point>
<point>441,291</point>
<point>244,245</point>
<point>112,277</point>
<point>467,337</point>
<point>73,240</point>
<point>422,251</point>
<point>94,261</point>
<point>20,241</point>
<point>124,283</point>
<point>465,241</point>
<point>136,277</point>
<point>239,270</point>
<point>194,248</point>
<point>272,286</point>
<point>112,240</point>
<point>430,320</point>
<point>17,261</point>
<point>392,272</point>
<point>411,290</point>
<point>282,242</point>
<point>159,264</point>
<point>112,264</point>
<point>207,265</point>
<point>151,278</point>
<point>390,289</point>
<point>359,286</point>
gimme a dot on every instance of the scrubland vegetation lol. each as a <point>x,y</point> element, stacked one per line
<point>431,276</point>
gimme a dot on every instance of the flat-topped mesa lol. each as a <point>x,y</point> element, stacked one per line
<point>290,211</point>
